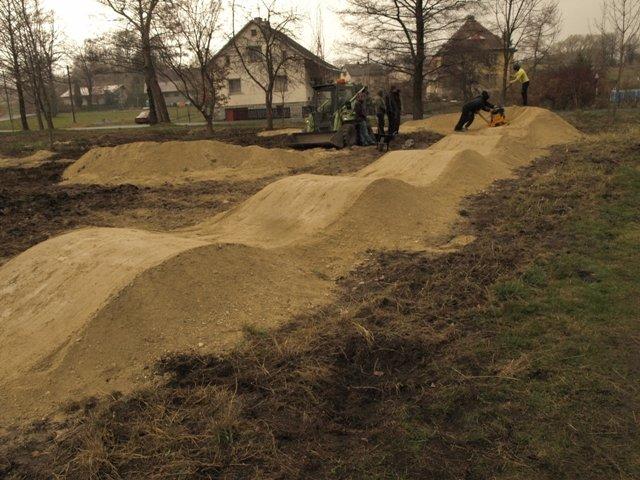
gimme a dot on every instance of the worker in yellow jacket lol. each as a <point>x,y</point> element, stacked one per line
<point>523,78</point>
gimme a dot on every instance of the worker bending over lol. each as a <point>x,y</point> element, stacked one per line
<point>470,109</point>
<point>523,78</point>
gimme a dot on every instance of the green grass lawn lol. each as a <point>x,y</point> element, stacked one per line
<point>115,118</point>
<point>83,119</point>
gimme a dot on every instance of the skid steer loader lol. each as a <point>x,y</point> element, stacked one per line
<point>331,121</point>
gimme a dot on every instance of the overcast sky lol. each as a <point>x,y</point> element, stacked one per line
<point>81,19</point>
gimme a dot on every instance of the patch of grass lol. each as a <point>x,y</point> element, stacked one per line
<point>120,117</point>
<point>254,331</point>
<point>599,121</point>
<point>514,358</point>
<point>83,119</point>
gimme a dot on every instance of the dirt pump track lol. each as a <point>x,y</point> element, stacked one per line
<point>84,312</point>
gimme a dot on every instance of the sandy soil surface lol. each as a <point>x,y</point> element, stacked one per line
<point>118,297</point>
<point>160,163</point>
<point>30,161</point>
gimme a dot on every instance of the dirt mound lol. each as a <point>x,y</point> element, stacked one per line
<point>48,292</point>
<point>31,161</point>
<point>537,126</point>
<point>130,295</point>
<point>289,210</point>
<point>97,331</point>
<point>442,124</point>
<point>154,163</point>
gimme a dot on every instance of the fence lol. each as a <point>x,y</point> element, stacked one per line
<point>625,96</point>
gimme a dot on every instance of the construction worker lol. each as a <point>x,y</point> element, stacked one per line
<point>395,91</point>
<point>362,125</point>
<point>380,107</point>
<point>523,78</point>
<point>392,109</point>
<point>470,109</point>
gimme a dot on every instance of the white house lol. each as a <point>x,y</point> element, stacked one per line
<point>115,95</point>
<point>172,96</point>
<point>372,75</point>
<point>293,86</point>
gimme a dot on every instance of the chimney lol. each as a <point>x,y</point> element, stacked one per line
<point>471,17</point>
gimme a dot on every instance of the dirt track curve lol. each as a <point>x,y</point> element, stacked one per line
<point>84,312</point>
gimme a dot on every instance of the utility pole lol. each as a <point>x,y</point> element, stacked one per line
<point>73,107</point>
<point>6,93</point>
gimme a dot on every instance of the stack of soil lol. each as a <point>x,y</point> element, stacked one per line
<point>548,129</point>
<point>153,163</point>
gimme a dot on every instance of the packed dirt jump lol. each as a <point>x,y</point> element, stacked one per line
<point>155,163</point>
<point>85,312</point>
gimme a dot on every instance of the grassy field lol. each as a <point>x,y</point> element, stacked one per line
<point>83,119</point>
<point>114,118</point>
<point>515,358</point>
<point>72,143</point>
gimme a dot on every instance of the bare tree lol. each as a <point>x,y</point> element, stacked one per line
<point>192,28</point>
<point>599,49</point>
<point>622,18</point>
<point>464,63</point>
<point>38,43</point>
<point>267,57</point>
<point>10,57</point>
<point>513,19</point>
<point>543,31</point>
<point>88,63</point>
<point>140,15</point>
<point>399,33</point>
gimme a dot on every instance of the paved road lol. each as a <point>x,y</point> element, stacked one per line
<point>107,127</point>
<point>16,119</point>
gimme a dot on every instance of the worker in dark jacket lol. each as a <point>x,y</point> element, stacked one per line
<point>362,125</point>
<point>392,109</point>
<point>380,107</point>
<point>470,109</point>
<point>398,98</point>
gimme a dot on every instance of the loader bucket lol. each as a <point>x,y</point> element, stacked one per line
<point>345,137</point>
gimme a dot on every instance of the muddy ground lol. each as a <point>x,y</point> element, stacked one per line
<point>33,207</point>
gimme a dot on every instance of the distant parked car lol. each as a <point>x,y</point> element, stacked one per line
<point>143,117</point>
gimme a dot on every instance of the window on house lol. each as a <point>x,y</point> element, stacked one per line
<point>227,60</point>
<point>254,32</point>
<point>254,53</point>
<point>281,83</point>
<point>235,85</point>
